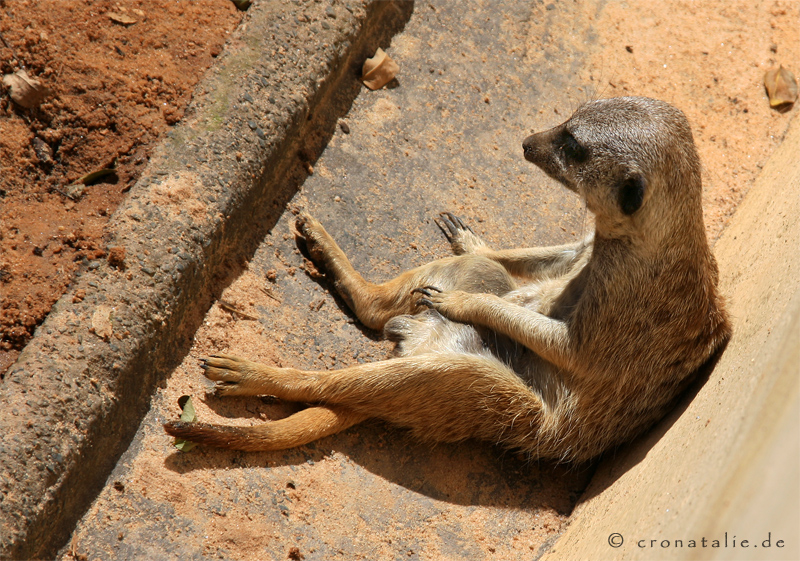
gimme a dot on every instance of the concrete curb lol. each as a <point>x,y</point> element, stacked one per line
<point>75,396</point>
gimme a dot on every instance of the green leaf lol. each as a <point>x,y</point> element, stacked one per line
<point>184,445</point>
<point>188,415</point>
<point>187,407</point>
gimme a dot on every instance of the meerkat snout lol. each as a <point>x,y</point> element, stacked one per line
<point>555,151</point>
<point>609,150</point>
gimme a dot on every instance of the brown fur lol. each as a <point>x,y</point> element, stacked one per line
<point>561,352</point>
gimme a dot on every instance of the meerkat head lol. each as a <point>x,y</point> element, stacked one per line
<point>630,158</point>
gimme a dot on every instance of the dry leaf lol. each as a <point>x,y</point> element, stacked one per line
<point>90,178</point>
<point>76,190</point>
<point>24,90</point>
<point>378,70</point>
<point>781,87</point>
<point>122,19</point>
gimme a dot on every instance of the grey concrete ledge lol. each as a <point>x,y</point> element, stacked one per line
<point>73,400</point>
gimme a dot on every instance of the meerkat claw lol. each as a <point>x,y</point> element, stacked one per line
<point>426,290</point>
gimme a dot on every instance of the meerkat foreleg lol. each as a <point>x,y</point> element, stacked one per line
<point>533,262</point>
<point>547,337</point>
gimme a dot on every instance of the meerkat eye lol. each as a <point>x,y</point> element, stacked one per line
<point>571,149</point>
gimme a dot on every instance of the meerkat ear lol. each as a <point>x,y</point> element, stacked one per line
<point>631,194</point>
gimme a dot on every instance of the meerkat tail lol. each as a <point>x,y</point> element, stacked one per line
<point>300,428</point>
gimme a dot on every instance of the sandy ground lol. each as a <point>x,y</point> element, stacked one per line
<point>708,59</point>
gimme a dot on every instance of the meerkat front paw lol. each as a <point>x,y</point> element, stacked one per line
<point>452,304</point>
<point>461,237</point>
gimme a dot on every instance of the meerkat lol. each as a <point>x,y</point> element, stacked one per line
<point>559,352</point>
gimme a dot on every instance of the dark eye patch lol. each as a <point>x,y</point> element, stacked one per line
<point>631,194</point>
<point>572,150</point>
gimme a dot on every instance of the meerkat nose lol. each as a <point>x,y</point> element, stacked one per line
<point>529,148</point>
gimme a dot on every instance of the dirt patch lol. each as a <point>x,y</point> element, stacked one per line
<point>116,89</point>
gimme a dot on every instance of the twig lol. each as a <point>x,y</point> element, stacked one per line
<point>231,308</point>
<point>269,293</point>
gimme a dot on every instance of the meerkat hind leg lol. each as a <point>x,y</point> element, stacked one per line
<point>440,396</point>
<point>375,304</point>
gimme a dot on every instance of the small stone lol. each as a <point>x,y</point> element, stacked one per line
<point>43,151</point>
<point>101,322</point>
<point>116,257</point>
<point>330,12</point>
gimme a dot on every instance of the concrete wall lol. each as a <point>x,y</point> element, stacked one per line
<point>728,460</point>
